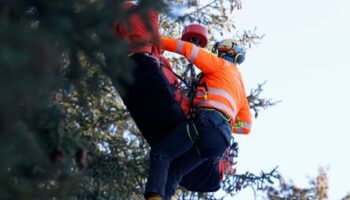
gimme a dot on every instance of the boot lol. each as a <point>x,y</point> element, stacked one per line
<point>153,196</point>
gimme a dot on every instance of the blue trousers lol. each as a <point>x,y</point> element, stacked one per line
<point>185,150</point>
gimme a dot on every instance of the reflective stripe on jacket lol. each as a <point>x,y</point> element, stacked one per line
<point>224,89</point>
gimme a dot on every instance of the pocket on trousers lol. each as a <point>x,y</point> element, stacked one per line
<point>219,123</point>
<point>215,119</point>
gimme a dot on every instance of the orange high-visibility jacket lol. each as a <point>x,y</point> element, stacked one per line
<point>224,89</point>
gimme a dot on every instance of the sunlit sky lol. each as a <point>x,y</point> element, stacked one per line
<point>305,59</point>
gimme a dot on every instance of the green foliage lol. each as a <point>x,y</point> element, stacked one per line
<point>54,96</point>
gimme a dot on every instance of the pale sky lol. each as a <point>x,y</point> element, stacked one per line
<point>305,59</point>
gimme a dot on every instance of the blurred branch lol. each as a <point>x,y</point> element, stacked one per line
<point>234,184</point>
<point>256,102</point>
<point>197,10</point>
<point>250,37</point>
<point>317,189</point>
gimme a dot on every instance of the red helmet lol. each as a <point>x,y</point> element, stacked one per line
<point>196,34</point>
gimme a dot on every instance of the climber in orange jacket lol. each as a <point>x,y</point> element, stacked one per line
<point>221,108</point>
<point>221,87</point>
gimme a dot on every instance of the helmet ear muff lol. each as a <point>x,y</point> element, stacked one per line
<point>239,58</point>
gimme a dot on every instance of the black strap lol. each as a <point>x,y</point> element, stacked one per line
<point>193,134</point>
<point>178,76</point>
